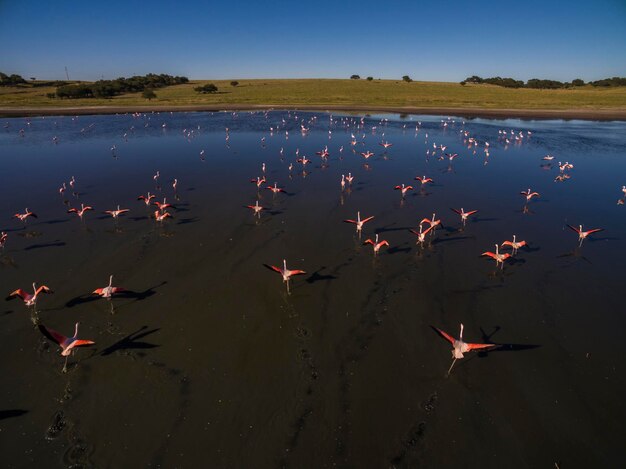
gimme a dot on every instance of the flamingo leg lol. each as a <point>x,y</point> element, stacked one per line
<point>65,366</point>
<point>450,369</point>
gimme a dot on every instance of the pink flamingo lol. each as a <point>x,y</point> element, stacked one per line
<point>259,181</point>
<point>30,299</point>
<point>23,216</point>
<point>275,189</point>
<point>62,189</point>
<point>423,179</point>
<point>83,208</point>
<point>286,273</point>
<point>160,217</point>
<point>109,290</point>
<point>67,344</point>
<point>432,222</point>
<point>376,245</point>
<point>582,235</point>
<point>3,239</point>
<point>385,145</point>
<point>460,347</point>
<point>343,181</point>
<point>515,245</point>
<point>304,160</point>
<point>499,258</point>
<point>403,189</point>
<point>464,214</point>
<point>174,184</point>
<point>529,195</point>
<point>146,198</point>
<point>163,205</point>
<point>117,213</point>
<point>256,208</point>
<point>367,154</point>
<point>358,222</point>
<point>350,178</point>
<point>421,234</point>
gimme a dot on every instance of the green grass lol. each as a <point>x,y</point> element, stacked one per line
<point>342,92</point>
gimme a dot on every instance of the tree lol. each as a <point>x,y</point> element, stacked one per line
<point>463,83</point>
<point>578,82</point>
<point>208,88</point>
<point>369,78</point>
<point>407,78</point>
<point>234,83</point>
<point>148,94</point>
<point>355,77</point>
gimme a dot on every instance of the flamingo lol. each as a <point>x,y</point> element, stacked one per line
<point>146,198</point>
<point>350,178</point>
<point>464,214</point>
<point>162,206</point>
<point>286,273</point>
<point>28,298</point>
<point>376,245</point>
<point>358,222</point>
<point>385,145</point>
<point>499,258</point>
<point>174,184</point>
<point>23,216</point>
<point>367,154</point>
<point>460,347</point>
<point>421,234</point>
<point>160,217</point>
<point>529,195</point>
<point>583,234</point>
<point>3,239</point>
<point>62,189</point>
<point>109,290</point>
<point>432,222</point>
<point>116,213</point>
<point>275,189</point>
<point>304,160</point>
<point>514,244</point>
<point>624,190</point>
<point>548,158</point>
<point>403,189</point>
<point>258,181</point>
<point>67,344</point>
<point>156,177</point>
<point>83,208</point>
<point>256,208</point>
<point>343,181</point>
<point>72,182</point>
<point>423,179</point>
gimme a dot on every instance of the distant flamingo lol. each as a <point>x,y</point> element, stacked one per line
<point>376,245</point>
<point>83,208</point>
<point>3,239</point>
<point>421,234</point>
<point>163,205</point>
<point>304,160</point>
<point>62,189</point>
<point>499,258</point>
<point>529,195</point>
<point>256,208</point>
<point>72,182</point>
<point>286,273</point>
<point>624,190</point>
<point>514,244</point>
<point>23,216</point>
<point>156,177</point>
<point>358,222</point>
<point>432,222</point>
<point>146,198</point>
<point>259,181</point>
<point>67,344</point>
<point>275,189</point>
<point>367,154</point>
<point>582,235</point>
<point>460,347</point>
<point>343,182</point>
<point>174,184</point>
<point>403,189</point>
<point>464,214</point>
<point>385,145</point>
<point>116,213</point>
<point>350,178</point>
<point>548,158</point>
<point>160,217</point>
<point>423,179</point>
<point>30,299</point>
<point>108,291</point>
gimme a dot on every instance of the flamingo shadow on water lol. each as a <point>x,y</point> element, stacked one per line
<point>126,294</point>
<point>131,342</point>
<point>11,413</point>
<point>45,245</point>
<point>317,276</point>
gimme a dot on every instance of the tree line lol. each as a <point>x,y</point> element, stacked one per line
<point>543,84</point>
<point>110,88</point>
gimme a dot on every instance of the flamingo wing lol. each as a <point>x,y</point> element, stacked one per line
<point>574,229</point>
<point>19,292</point>
<point>426,220</point>
<point>274,268</point>
<point>43,289</point>
<point>456,211</point>
<point>490,254</point>
<point>79,342</point>
<point>98,291</point>
<point>350,221</point>
<point>367,219</point>
<point>118,290</point>
<point>479,346</point>
<point>471,212</point>
<point>445,335</point>
<point>297,272</point>
<point>52,334</point>
<point>595,230</point>
<point>368,241</point>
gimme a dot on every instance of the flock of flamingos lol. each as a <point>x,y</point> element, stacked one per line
<point>426,229</point>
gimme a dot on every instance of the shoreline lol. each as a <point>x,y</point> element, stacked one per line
<point>526,114</point>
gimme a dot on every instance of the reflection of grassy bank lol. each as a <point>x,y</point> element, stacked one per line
<point>341,92</point>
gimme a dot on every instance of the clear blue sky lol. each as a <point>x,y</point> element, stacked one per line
<point>428,40</point>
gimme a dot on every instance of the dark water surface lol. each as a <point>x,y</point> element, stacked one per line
<point>210,363</point>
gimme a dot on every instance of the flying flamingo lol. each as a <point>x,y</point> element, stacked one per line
<point>83,208</point>
<point>275,189</point>
<point>163,205</point>
<point>108,291</point>
<point>28,298</point>
<point>432,222</point>
<point>258,181</point>
<point>529,195</point>
<point>367,154</point>
<point>67,344</point>
<point>514,244</point>
<point>376,245</point>
<point>464,214</point>
<point>423,179</point>
<point>23,216</point>
<point>160,217</point>
<point>358,222</point>
<point>403,189</point>
<point>256,208</point>
<point>286,273</point>
<point>146,198</point>
<point>499,258</point>
<point>3,239</point>
<point>304,160</point>
<point>583,234</point>
<point>116,213</point>
<point>385,145</point>
<point>460,347</point>
<point>421,234</point>
<point>350,178</point>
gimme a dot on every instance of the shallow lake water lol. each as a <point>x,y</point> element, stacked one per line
<point>208,361</point>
